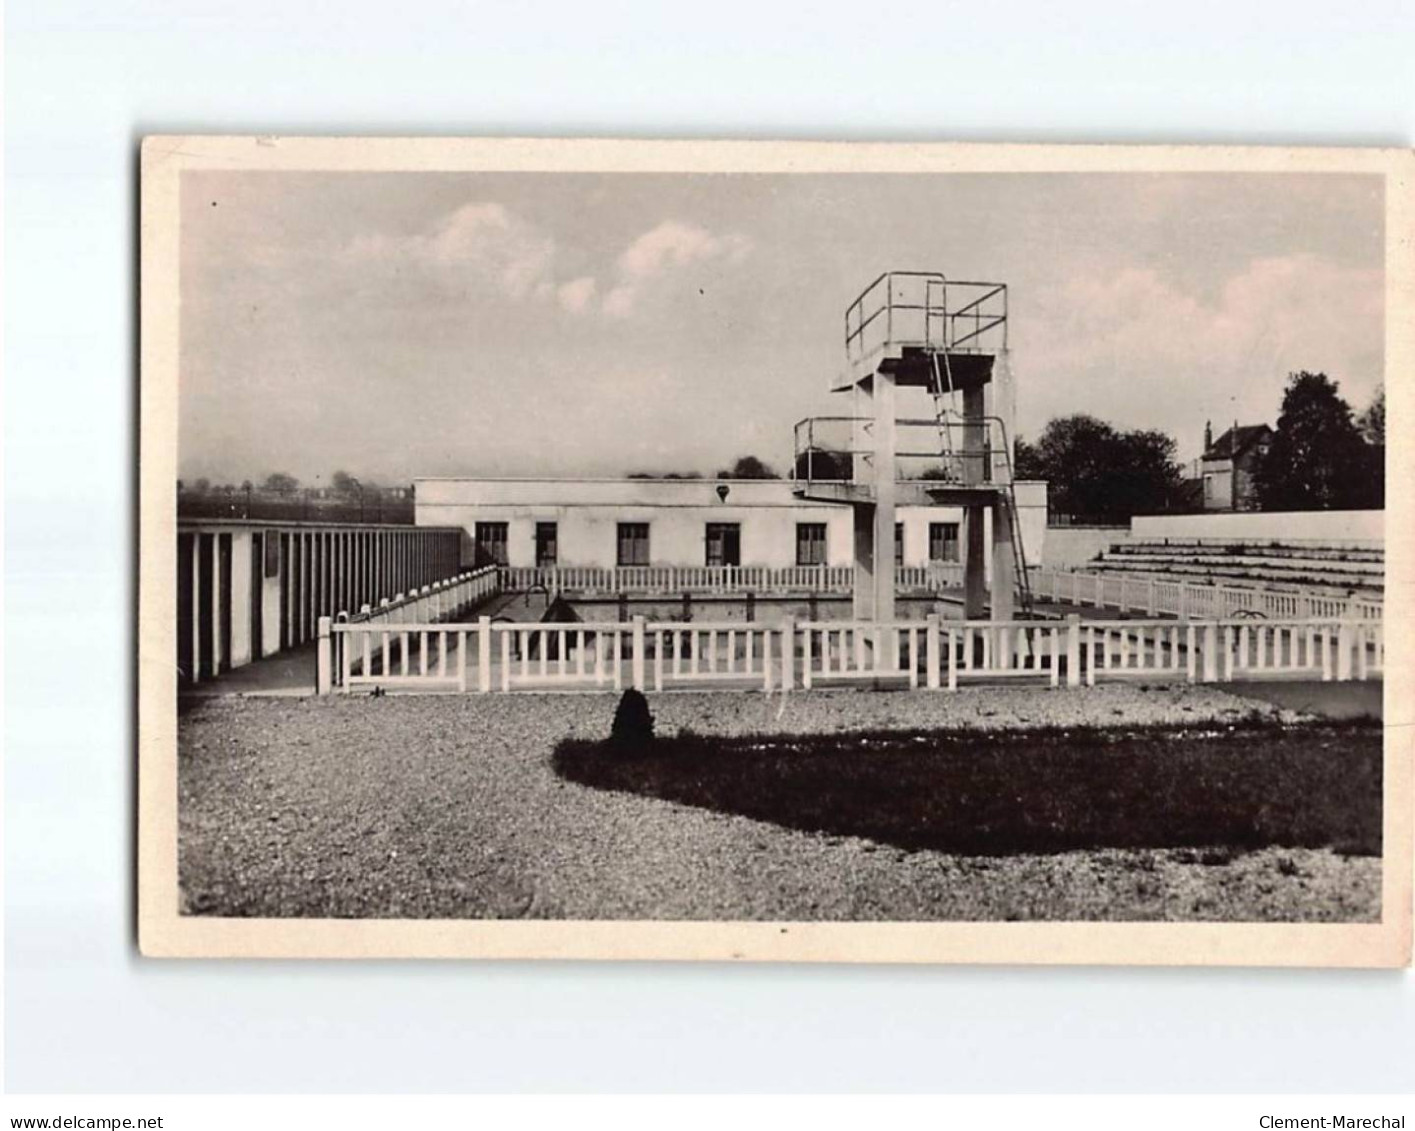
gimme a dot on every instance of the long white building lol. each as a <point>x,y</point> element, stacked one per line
<point>684,522</point>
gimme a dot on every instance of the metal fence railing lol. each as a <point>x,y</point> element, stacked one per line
<point>926,310</point>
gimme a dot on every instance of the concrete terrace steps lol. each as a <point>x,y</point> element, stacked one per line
<point>1369,567</point>
<point>1288,580</point>
<point>1281,566</point>
<point>1285,550</point>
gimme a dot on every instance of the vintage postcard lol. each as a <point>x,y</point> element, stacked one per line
<point>796,552</point>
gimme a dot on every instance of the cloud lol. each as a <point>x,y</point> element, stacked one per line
<point>575,295</point>
<point>488,244</point>
<point>672,244</point>
<point>1102,337</point>
<point>483,241</point>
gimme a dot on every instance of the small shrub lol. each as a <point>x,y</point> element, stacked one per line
<point>633,721</point>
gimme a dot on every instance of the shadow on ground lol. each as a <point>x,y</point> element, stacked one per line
<point>1218,789</point>
<point>1361,699</point>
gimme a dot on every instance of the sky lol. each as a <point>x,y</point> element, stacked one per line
<point>399,325</point>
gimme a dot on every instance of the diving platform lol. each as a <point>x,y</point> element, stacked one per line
<point>908,493</point>
<point>921,330</point>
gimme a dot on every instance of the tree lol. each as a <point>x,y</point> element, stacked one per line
<point>748,467</point>
<point>664,475</point>
<point>281,482</point>
<point>1317,459</point>
<point>342,483</point>
<point>1026,461</point>
<point>1098,472</point>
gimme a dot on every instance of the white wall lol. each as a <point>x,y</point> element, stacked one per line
<point>1273,526</point>
<point>1071,547</point>
<point>240,598</point>
<point>588,511</point>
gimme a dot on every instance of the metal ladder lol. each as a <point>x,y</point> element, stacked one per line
<point>1019,556</point>
<point>942,393</point>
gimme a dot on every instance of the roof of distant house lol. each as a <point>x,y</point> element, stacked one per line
<point>1236,441</point>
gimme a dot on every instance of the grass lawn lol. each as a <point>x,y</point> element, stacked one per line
<point>1215,789</point>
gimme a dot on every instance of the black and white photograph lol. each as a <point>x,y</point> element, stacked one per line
<point>799,552</point>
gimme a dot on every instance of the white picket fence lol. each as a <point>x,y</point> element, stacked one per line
<point>675,580</point>
<point>389,652</point>
<point>1185,600</point>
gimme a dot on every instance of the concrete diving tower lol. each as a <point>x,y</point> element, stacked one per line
<point>911,329</point>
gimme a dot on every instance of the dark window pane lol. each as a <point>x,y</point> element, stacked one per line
<point>633,543</point>
<point>810,543</point>
<point>491,543</point>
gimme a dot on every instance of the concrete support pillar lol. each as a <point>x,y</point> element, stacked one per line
<point>1004,563</point>
<point>864,534</point>
<point>974,534</point>
<point>975,472</point>
<point>886,489</point>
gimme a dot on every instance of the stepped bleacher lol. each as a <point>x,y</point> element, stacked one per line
<point>1270,565</point>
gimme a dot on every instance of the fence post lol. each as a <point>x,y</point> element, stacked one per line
<point>788,654</point>
<point>931,651</point>
<point>1210,653</point>
<point>1073,650</point>
<point>1183,600</point>
<point>638,669</point>
<point>324,665</point>
<point>483,653</point>
<point>1344,645</point>
<point>1150,597</point>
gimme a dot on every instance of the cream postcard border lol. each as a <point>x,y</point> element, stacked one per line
<point>163,931</point>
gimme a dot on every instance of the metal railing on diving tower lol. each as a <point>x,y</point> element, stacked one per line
<point>948,338</point>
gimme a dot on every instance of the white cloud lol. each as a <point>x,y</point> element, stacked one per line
<point>488,243</point>
<point>671,244</point>
<point>483,240</point>
<point>1159,354</point>
<point>575,295</point>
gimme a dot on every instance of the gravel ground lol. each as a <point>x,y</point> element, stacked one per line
<point>446,806</point>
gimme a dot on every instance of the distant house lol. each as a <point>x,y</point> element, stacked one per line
<point>1228,465</point>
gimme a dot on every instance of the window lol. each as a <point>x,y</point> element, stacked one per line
<point>810,543</point>
<point>724,544</point>
<point>943,542</point>
<point>899,543</point>
<point>547,549</point>
<point>633,543</point>
<point>491,543</point>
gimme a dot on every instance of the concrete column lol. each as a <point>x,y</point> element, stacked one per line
<point>975,472</point>
<point>864,535</point>
<point>885,492</point>
<point>1004,563</point>
<point>975,597</point>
